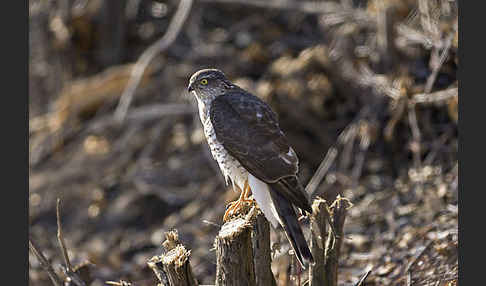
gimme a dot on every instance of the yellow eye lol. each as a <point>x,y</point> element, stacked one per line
<point>204,81</point>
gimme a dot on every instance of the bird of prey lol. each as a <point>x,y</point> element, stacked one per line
<point>252,152</point>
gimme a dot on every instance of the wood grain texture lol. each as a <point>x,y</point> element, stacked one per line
<point>261,251</point>
<point>234,255</point>
<point>318,225</point>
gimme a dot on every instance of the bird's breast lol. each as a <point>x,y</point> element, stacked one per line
<point>230,167</point>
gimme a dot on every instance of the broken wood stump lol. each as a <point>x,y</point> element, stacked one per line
<point>261,249</point>
<point>173,267</point>
<point>318,223</point>
<point>234,254</point>
<point>326,246</point>
<point>333,243</point>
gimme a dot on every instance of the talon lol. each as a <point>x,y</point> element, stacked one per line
<point>235,206</point>
<point>230,204</point>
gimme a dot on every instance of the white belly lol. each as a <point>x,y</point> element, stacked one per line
<point>261,194</point>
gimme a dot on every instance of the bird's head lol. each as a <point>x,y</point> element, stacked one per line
<point>208,83</point>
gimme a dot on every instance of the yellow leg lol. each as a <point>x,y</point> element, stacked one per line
<point>236,205</point>
<point>246,193</point>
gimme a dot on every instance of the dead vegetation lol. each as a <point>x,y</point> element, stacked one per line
<point>365,90</point>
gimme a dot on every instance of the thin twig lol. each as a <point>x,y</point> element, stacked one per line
<point>119,283</point>
<point>409,36</point>
<point>363,278</point>
<point>45,263</point>
<point>321,170</point>
<point>367,78</point>
<point>416,147</point>
<point>425,19</point>
<point>431,79</point>
<point>163,43</point>
<point>441,95</point>
<point>60,237</point>
<point>406,271</point>
<point>436,146</point>
<point>143,113</point>
<point>384,36</point>
<point>70,273</point>
<point>364,144</point>
<point>418,256</point>
<point>347,136</point>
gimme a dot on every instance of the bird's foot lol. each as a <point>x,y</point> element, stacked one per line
<point>233,207</point>
<point>237,206</point>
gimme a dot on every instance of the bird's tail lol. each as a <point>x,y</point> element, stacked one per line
<point>290,224</point>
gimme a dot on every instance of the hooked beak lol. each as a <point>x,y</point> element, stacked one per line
<point>190,88</point>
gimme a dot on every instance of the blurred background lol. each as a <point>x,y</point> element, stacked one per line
<point>366,91</point>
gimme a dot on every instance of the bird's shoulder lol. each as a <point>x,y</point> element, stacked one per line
<point>250,132</point>
<point>247,106</point>
<point>239,112</point>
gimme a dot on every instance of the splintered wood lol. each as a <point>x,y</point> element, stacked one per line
<point>234,254</point>
<point>338,209</point>
<point>318,229</point>
<point>326,250</point>
<point>173,267</point>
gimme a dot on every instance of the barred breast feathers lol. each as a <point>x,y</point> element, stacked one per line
<point>232,170</point>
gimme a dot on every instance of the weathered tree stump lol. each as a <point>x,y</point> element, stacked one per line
<point>334,241</point>
<point>261,250</point>
<point>234,254</point>
<point>318,223</point>
<point>173,267</point>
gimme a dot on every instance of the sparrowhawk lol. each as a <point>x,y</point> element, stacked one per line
<point>252,152</point>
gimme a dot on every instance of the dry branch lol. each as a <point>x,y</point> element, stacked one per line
<point>321,170</point>
<point>60,237</point>
<point>416,135</point>
<point>85,96</point>
<point>141,114</point>
<point>44,263</point>
<point>234,255</point>
<point>71,275</point>
<point>173,267</point>
<point>384,35</point>
<point>88,94</point>
<point>441,95</point>
<point>310,7</point>
<point>142,63</point>
<point>437,61</point>
<point>119,283</point>
<point>346,138</point>
<point>363,278</point>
